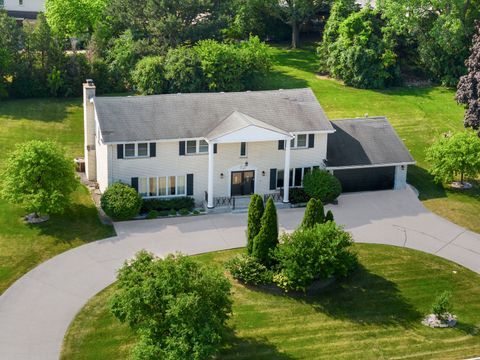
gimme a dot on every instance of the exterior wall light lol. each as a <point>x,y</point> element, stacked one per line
<point>246,163</point>
<point>263,173</point>
<point>221,175</point>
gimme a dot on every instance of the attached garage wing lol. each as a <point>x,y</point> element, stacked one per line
<point>366,179</point>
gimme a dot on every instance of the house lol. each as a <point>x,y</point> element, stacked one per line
<point>23,9</point>
<point>215,146</point>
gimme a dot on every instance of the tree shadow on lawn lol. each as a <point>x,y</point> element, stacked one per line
<point>280,80</point>
<point>365,298</point>
<point>424,182</point>
<point>249,348</point>
<point>44,109</point>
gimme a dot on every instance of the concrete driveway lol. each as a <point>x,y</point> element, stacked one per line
<point>36,311</point>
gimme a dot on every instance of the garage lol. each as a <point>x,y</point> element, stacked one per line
<point>366,154</point>
<point>366,179</point>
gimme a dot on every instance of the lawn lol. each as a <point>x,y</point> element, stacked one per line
<point>374,314</point>
<point>22,246</point>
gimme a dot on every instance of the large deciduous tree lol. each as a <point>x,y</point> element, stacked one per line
<point>468,90</point>
<point>40,177</point>
<point>9,49</point>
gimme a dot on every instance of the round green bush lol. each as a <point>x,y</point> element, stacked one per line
<point>184,212</point>
<point>320,184</point>
<point>153,214</point>
<point>121,202</point>
<point>172,212</point>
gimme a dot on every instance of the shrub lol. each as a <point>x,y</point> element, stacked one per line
<point>322,185</point>
<point>153,214</point>
<point>167,204</point>
<point>196,212</point>
<point>163,213</point>
<point>148,75</point>
<point>177,306</point>
<point>182,70</point>
<point>298,196</point>
<point>121,202</point>
<point>255,212</point>
<point>184,212</point>
<point>329,216</point>
<point>314,253</point>
<point>247,269</point>
<point>267,239</point>
<point>314,214</point>
<point>442,306</point>
<point>172,212</point>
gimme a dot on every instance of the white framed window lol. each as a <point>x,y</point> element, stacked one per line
<point>136,150</point>
<point>300,141</point>
<point>197,147</point>
<point>162,186</point>
<point>295,180</point>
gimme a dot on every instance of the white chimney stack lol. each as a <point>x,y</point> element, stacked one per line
<point>89,130</point>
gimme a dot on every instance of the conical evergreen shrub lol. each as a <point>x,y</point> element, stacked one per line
<point>314,213</point>
<point>255,213</point>
<point>329,216</point>
<point>267,239</point>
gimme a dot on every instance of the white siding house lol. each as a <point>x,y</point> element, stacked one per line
<point>23,9</point>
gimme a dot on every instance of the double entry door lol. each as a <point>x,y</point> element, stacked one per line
<point>243,183</point>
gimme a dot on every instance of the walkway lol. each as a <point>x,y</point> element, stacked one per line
<point>36,311</point>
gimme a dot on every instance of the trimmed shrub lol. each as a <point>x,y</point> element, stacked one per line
<point>248,270</point>
<point>314,214</point>
<point>320,184</point>
<point>267,239</point>
<point>172,212</point>
<point>184,212</point>
<point>442,306</point>
<point>168,204</point>
<point>309,254</point>
<point>121,202</point>
<point>255,212</point>
<point>329,216</point>
<point>153,214</point>
<point>163,213</point>
<point>196,212</point>
<point>298,196</point>
<point>148,75</point>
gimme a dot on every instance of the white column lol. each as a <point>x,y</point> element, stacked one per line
<point>210,176</point>
<point>286,172</point>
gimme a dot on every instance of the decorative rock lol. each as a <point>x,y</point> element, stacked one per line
<point>35,219</point>
<point>448,321</point>
<point>461,185</point>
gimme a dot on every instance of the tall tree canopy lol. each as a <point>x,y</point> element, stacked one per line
<point>9,49</point>
<point>468,90</point>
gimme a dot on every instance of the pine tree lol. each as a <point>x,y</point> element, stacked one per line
<point>255,213</point>
<point>314,213</point>
<point>468,89</point>
<point>267,238</point>
<point>329,216</point>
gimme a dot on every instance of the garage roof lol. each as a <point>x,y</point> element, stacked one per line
<point>368,141</point>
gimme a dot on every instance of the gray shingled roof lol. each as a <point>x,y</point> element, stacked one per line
<point>368,141</point>
<point>177,116</point>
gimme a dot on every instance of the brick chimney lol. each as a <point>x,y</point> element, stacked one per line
<point>89,130</point>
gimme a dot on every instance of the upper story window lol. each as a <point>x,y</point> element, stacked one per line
<point>299,142</point>
<point>20,2</point>
<point>136,150</point>
<point>197,147</point>
<point>243,149</point>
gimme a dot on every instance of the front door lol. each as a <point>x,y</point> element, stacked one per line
<point>243,183</point>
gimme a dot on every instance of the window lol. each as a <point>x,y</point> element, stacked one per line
<point>20,2</point>
<point>243,149</point>
<point>191,147</point>
<point>162,186</point>
<point>299,142</point>
<point>203,146</point>
<point>181,185</point>
<point>153,187</point>
<point>142,186</point>
<point>136,150</point>
<point>171,185</point>
<point>280,177</point>
<point>197,147</point>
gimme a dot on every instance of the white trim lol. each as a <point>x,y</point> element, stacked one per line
<point>368,166</point>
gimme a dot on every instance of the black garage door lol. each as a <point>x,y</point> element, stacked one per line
<point>366,179</point>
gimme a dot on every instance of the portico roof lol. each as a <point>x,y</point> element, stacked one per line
<point>239,127</point>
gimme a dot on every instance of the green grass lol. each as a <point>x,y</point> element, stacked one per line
<point>373,314</point>
<point>418,114</point>
<point>23,246</point>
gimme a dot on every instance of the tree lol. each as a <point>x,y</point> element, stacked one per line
<point>40,177</point>
<point>468,89</point>
<point>295,13</point>
<point>314,213</point>
<point>329,216</point>
<point>455,156</point>
<point>255,213</point>
<point>182,70</point>
<point>148,75</point>
<point>267,239</point>
<point>71,18</point>
<point>9,49</point>
<point>177,306</point>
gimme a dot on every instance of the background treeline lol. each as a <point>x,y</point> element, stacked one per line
<point>211,45</point>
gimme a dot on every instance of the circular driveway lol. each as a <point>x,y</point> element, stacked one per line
<point>36,311</point>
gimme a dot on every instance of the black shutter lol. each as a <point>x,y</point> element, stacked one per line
<point>290,180</point>
<point>311,140</point>
<point>120,151</point>
<point>153,149</point>
<point>316,168</point>
<point>135,183</point>
<point>273,179</point>
<point>214,148</point>
<point>298,177</point>
<point>181,148</point>
<point>243,149</point>
<point>189,184</point>
<point>281,144</point>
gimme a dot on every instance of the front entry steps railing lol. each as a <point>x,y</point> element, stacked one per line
<point>240,203</point>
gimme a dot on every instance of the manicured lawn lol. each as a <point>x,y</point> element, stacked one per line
<point>22,247</point>
<point>374,314</point>
<point>419,115</point>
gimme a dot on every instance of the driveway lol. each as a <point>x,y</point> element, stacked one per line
<point>36,311</point>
